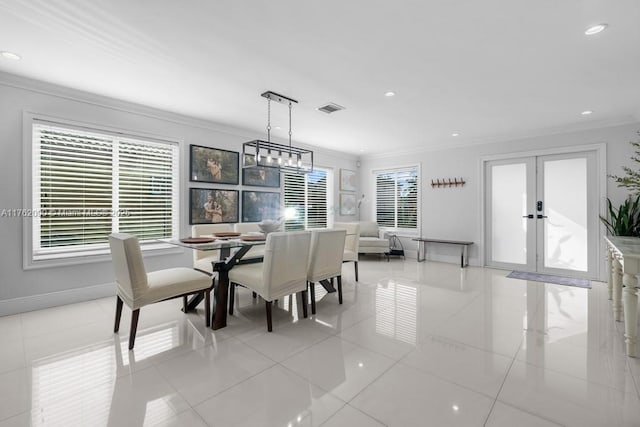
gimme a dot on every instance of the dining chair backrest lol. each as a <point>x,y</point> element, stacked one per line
<point>352,240</point>
<point>325,254</point>
<point>206,230</point>
<point>128,265</point>
<point>246,227</point>
<point>285,263</point>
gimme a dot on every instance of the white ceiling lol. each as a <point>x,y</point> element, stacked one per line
<point>491,69</point>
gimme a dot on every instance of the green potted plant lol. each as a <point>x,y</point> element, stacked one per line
<point>624,221</point>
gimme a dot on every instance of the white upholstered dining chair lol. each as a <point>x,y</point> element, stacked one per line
<point>203,260</point>
<point>137,288</point>
<point>282,272</point>
<point>325,260</point>
<point>351,243</point>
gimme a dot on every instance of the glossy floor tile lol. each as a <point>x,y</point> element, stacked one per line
<point>405,397</point>
<point>339,366</point>
<point>412,344</point>
<point>568,400</point>
<point>275,397</point>
<point>507,416</point>
<point>479,370</point>
<point>349,416</point>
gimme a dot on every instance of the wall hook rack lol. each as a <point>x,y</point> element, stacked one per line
<point>447,182</point>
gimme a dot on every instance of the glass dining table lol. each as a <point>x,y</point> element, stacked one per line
<point>231,252</point>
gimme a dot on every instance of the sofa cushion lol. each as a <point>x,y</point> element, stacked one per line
<point>373,242</point>
<point>369,229</point>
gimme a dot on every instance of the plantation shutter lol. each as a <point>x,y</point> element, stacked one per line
<point>294,198</point>
<point>407,199</point>
<point>317,199</point>
<point>87,185</point>
<point>307,195</point>
<point>397,198</point>
<point>145,184</point>
<point>74,176</point>
<point>386,200</point>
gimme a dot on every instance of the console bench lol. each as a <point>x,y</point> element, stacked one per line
<point>422,248</point>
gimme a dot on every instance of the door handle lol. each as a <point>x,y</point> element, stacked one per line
<point>530,216</point>
<point>542,216</point>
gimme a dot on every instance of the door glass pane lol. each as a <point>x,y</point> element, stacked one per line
<point>508,205</point>
<point>565,229</point>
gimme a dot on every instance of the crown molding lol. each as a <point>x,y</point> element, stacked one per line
<point>599,124</point>
<point>46,88</point>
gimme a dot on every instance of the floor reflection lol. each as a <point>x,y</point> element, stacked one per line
<point>96,384</point>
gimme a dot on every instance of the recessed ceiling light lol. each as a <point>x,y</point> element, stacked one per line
<point>455,134</point>
<point>277,128</point>
<point>595,29</point>
<point>11,55</point>
<point>586,112</point>
<point>389,94</point>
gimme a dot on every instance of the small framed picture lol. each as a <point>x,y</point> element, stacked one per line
<point>212,206</point>
<point>347,204</point>
<point>347,180</point>
<point>260,205</point>
<point>213,165</point>
<point>261,176</point>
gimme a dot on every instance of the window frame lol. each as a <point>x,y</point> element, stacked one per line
<point>411,232</point>
<point>30,174</point>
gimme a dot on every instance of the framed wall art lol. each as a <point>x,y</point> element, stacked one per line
<point>213,165</point>
<point>212,206</point>
<point>347,204</point>
<point>347,180</point>
<point>260,205</point>
<point>261,176</point>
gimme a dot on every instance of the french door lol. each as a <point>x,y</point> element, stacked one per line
<point>541,214</point>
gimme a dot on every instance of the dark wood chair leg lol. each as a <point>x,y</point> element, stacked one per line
<point>355,264</point>
<point>134,327</point>
<point>305,310</point>
<point>269,320</point>
<point>254,295</point>
<point>232,297</point>
<point>116,326</point>
<point>312,290</point>
<point>185,303</point>
<point>207,307</point>
<point>340,289</point>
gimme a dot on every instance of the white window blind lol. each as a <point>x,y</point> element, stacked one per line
<point>87,184</point>
<point>307,196</point>
<point>397,198</point>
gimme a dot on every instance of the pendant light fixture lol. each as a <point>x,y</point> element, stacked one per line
<point>286,158</point>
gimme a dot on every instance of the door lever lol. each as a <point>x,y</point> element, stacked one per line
<point>542,216</point>
<point>530,216</point>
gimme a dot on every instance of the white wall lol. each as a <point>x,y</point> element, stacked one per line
<point>22,290</point>
<point>455,213</point>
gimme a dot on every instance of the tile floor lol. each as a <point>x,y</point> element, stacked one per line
<point>423,344</point>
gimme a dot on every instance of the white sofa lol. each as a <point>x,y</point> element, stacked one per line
<point>372,240</point>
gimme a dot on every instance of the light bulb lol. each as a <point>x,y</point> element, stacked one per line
<point>269,159</point>
<point>290,161</point>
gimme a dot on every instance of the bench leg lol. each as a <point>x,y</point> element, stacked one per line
<point>422,248</point>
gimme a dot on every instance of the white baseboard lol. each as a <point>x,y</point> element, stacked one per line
<point>54,299</point>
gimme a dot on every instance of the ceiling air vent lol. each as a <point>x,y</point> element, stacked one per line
<point>330,108</point>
